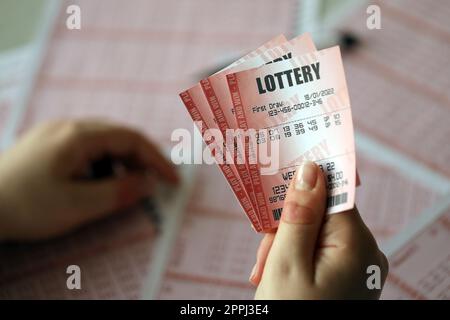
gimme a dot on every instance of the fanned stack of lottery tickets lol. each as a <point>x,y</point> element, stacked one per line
<point>265,114</point>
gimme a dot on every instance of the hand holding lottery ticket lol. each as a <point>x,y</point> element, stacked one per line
<point>310,257</point>
<point>269,112</point>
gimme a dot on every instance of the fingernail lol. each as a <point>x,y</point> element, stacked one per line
<point>252,274</point>
<point>306,177</point>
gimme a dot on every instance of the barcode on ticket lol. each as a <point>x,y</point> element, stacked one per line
<point>331,202</point>
<point>277,214</point>
<point>337,199</point>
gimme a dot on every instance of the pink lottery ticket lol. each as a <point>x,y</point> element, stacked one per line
<point>216,91</point>
<point>190,98</point>
<point>215,87</point>
<point>198,108</point>
<point>302,105</point>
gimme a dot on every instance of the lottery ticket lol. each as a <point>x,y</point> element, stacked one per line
<point>215,87</point>
<point>288,98</point>
<point>216,91</point>
<point>190,98</point>
<point>302,104</point>
<point>200,113</point>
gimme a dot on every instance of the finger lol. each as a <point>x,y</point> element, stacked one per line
<point>301,219</point>
<point>261,257</point>
<point>346,229</point>
<point>96,199</point>
<point>93,139</point>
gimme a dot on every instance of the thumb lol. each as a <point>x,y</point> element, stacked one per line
<point>301,219</point>
<point>100,198</point>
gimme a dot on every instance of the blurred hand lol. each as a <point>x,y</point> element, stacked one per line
<point>44,191</point>
<point>313,256</point>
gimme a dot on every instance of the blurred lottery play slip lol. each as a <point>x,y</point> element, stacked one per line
<point>265,114</point>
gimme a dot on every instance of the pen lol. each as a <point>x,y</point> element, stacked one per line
<point>348,41</point>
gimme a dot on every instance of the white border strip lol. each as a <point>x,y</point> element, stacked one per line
<point>422,221</point>
<point>403,164</point>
